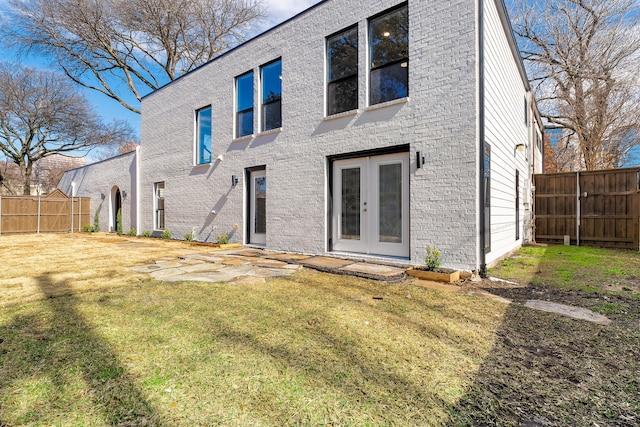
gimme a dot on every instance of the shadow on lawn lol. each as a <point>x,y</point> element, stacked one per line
<point>548,370</point>
<point>60,346</point>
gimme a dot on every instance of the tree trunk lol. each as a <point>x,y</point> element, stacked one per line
<point>25,170</point>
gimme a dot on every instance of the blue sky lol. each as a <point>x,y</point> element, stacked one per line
<point>279,10</point>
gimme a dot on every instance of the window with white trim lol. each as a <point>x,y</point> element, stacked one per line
<point>271,80</point>
<point>342,69</point>
<point>244,105</point>
<point>389,56</point>
<point>158,219</point>
<point>203,135</point>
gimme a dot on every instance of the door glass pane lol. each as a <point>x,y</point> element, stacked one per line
<point>390,185</point>
<point>350,224</point>
<point>260,225</point>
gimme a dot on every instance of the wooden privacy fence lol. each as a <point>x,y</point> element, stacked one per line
<point>598,208</point>
<point>55,213</point>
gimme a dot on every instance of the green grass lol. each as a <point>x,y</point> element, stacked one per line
<point>585,269</point>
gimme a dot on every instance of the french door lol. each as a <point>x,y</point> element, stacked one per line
<point>258,207</point>
<point>371,205</point>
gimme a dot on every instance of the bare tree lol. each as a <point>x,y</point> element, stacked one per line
<point>127,48</point>
<point>42,113</point>
<point>560,155</point>
<point>583,57</point>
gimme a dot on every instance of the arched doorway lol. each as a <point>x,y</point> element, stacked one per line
<point>116,205</point>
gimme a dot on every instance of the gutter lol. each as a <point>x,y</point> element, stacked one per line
<point>481,135</point>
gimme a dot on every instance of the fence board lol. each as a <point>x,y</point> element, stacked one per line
<point>19,214</point>
<point>608,203</point>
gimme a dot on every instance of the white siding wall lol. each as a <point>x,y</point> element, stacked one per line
<point>505,127</point>
<point>101,178</point>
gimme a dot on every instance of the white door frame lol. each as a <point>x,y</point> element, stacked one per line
<point>256,238</point>
<point>369,241</point>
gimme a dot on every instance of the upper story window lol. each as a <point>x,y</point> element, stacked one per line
<point>203,135</point>
<point>342,66</point>
<point>244,105</point>
<point>271,78</point>
<point>389,56</point>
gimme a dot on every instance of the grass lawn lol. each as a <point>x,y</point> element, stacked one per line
<point>85,341</point>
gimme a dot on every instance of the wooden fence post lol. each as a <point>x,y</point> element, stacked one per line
<point>39,214</point>
<point>577,208</point>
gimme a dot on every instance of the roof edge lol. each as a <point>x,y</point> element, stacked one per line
<point>252,39</point>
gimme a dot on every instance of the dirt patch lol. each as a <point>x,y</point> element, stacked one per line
<point>623,309</point>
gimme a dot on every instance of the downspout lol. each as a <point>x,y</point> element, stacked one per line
<point>138,194</point>
<point>481,123</point>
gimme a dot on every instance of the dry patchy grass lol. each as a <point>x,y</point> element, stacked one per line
<point>307,350</point>
<point>75,263</point>
<point>311,349</point>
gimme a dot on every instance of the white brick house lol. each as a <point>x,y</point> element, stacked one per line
<point>367,128</point>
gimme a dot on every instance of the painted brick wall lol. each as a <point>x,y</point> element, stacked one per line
<point>101,179</point>
<point>439,120</point>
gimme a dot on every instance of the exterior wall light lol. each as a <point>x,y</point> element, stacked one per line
<point>519,147</point>
<point>234,180</point>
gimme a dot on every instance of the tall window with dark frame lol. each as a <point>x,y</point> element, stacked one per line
<point>244,105</point>
<point>203,137</point>
<point>271,78</point>
<point>487,197</point>
<point>517,204</point>
<point>158,189</point>
<point>342,67</point>
<point>389,56</point>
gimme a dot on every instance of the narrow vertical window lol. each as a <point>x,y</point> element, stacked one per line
<point>389,56</point>
<point>487,197</point>
<point>517,204</point>
<point>342,67</point>
<point>203,135</point>
<point>158,190</point>
<point>271,78</point>
<point>244,105</point>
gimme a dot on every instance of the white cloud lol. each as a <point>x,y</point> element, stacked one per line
<point>281,10</point>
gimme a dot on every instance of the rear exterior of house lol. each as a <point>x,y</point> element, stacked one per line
<point>357,128</point>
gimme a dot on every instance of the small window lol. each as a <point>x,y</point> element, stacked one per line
<point>158,190</point>
<point>271,77</point>
<point>203,136</point>
<point>244,105</point>
<point>389,56</point>
<point>342,66</point>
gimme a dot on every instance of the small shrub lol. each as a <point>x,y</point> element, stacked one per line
<point>188,237</point>
<point>166,234</point>
<point>119,222</point>
<point>432,259</point>
<point>223,238</point>
<point>146,233</point>
<point>87,228</point>
<point>96,222</point>
<point>132,232</point>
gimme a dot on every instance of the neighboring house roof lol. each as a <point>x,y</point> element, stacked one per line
<point>46,172</point>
